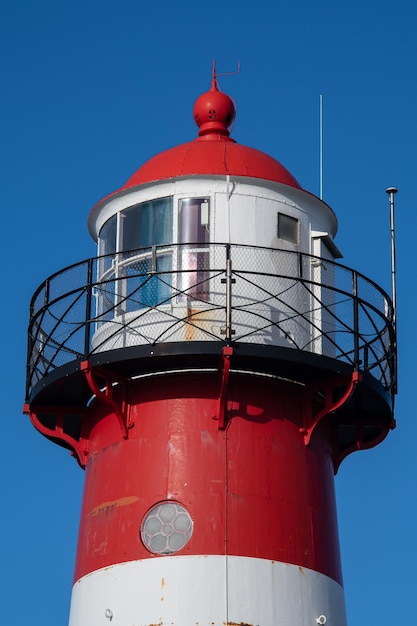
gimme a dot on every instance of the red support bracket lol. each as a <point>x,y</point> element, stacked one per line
<point>360,444</point>
<point>105,394</point>
<point>227,353</point>
<point>78,447</point>
<point>331,405</point>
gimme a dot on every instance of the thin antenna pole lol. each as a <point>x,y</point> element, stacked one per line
<point>321,147</point>
<point>391,191</point>
<point>229,239</point>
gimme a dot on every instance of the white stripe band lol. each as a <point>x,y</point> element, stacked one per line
<point>215,590</point>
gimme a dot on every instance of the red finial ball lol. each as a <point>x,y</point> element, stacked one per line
<point>214,111</point>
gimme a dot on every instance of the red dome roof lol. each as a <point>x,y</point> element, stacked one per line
<point>214,156</point>
<point>211,155</point>
<point>213,152</point>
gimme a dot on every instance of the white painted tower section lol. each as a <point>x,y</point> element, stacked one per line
<point>213,590</point>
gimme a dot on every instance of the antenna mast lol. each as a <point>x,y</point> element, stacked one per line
<point>391,191</point>
<point>321,147</point>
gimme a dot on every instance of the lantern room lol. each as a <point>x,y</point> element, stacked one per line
<point>166,235</point>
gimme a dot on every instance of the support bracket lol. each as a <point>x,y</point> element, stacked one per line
<point>331,405</point>
<point>78,447</point>
<point>225,363</point>
<point>105,393</point>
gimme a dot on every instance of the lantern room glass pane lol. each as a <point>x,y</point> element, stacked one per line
<point>107,243</point>
<point>194,220</point>
<point>147,224</point>
<point>145,288</point>
<point>193,261</point>
<point>135,274</point>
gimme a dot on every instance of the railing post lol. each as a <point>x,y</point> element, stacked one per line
<point>356,360</point>
<point>87,335</point>
<point>29,365</point>
<point>46,294</point>
<point>300,264</point>
<point>228,280</point>
<point>366,358</point>
<point>393,349</point>
<point>117,282</point>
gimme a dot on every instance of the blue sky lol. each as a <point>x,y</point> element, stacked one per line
<point>90,90</point>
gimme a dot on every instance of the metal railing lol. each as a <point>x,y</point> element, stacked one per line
<point>216,292</point>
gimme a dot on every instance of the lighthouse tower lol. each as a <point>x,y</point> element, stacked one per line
<point>210,369</point>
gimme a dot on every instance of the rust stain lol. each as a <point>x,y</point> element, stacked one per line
<point>162,583</point>
<point>112,504</point>
<point>193,328</point>
<point>237,624</point>
<point>301,570</point>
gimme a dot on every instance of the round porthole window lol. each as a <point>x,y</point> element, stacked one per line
<point>166,528</point>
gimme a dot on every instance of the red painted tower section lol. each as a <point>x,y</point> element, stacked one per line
<point>210,369</point>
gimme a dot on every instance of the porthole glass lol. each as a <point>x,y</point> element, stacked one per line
<point>166,528</point>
